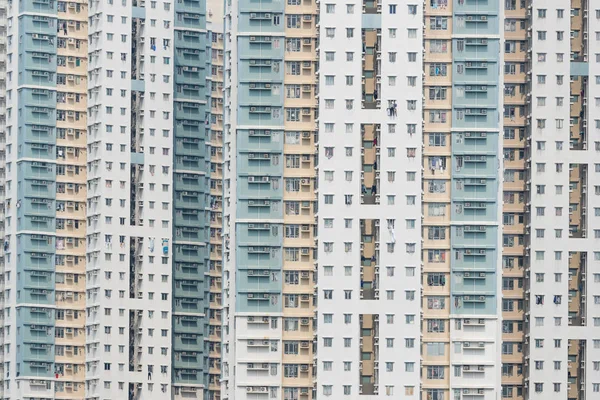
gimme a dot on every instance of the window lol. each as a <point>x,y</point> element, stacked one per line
<point>436,303</point>
<point>438,46</point>
<point>435,372</point>
<point>438,23</point>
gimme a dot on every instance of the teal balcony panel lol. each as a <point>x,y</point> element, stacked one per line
<point>190,163</point>
<point>189,289</point>
<point>138,12</point>
<point>39,188</point>
<point>580,68</point>
<point>257,140</point>
<point>474,189</point>
<point>191,129</point>
<point>191,57</point>
<point>188,305</point>
<point>193,182</point>
<point>475,118</point>
<point>260,302</point>
<point>263,21</point>
<point>138,85</point>
<point>37,352</point>
<point>474,259</point>
<point>37,242</point>
<point>489,7</point>
<point>259,280</point>
<point>188,342</point>
<point>188,376</point>
<point>474,142</point>
<point>271,6</point>
<point>137,158</point>
<point>35,316</point>
<point>260,187</point>
<point>189,39</point>
<point>38,62</point>
<point>258,68</point>
<point>35,42</point>
<point>466,282</point>
<point>37,223</point>
<point>189,93</point>
<point>259,234</point>
<point>191,234</point>
<point>188,271</point>
<point>187,324</point>
<point>260,93</point>
<point>475,304</point>
<point>475,23</point>
<point>259,256</point>
<point>40,24</point>
<point>36,170</point>
<point>485,236</point>
<point>475,166</point>
<point>37,332</point>
<point>37,97</point>
<point>474,95</point>
<point>37,78</point>
<point>480,72</point>
<point>39,151</point>
<point>194,200</point>
<point>32,279</point>
<point>262,116</point>
<point>187,146</point>
<point>476,49</point>
<point>261,46</point>
<point>260,163</point>
<point>191,6</point>
<point>259,209</point>
<point>187,218</point>
<point>190,76</point>
<point>37,134</point>
<point>38,6</point>
<point>38,369</point>
<point>190,111</point>
<point>194,20</point>
<point>37,296</point>
<point>40,115</point>
<point>465,211</point>
<point>371,21</point>
<point>38,260</point>
<point>190,253</point>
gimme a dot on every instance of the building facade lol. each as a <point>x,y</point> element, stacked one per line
<point>561,256</point>
<point>269,203</point>
<point>111,279</point>
<point>299,199</point>
<point>370,133</point>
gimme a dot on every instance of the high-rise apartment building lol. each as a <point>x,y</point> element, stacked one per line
<point>461,295</point>
<point>2,164</point>
<point>270,201</point>
<point>299,199</point>
<point>370,132</point>
<point>111,265</point>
